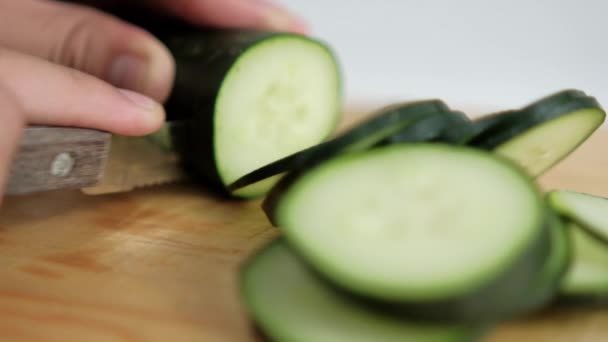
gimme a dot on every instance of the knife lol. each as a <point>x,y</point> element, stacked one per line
<point>96,162</point>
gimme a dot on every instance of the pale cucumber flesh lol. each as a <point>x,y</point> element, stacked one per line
<point>368,220</point>
<point>281,96</point>
<point>543,146</point>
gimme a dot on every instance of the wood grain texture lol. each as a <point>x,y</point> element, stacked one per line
<point>45,152</point>
<point>160,264</point>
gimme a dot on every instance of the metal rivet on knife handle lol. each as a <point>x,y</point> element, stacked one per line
<point>62,165</point>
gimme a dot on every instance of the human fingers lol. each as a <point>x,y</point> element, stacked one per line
<point>89,40</point>
<point>52,94</point>
<point>253,14</point>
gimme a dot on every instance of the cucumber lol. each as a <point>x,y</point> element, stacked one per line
<point>396,123</point>
<point>555,100</point>
<point>586,281</point>
<point>248,97</point>
<point>301,307</point>
<point>252,98</point>
<point>590,212</point>
<point>444,127</point>
<point>487,126</point>
<point>543,133</point>
<point>486,123</point>
<point>401,227</point>
<point>459,131</point>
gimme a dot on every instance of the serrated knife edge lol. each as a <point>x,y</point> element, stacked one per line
<point>136,162</point>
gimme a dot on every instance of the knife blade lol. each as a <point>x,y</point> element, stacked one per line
<point>96,162</point>
<point>135,162</point>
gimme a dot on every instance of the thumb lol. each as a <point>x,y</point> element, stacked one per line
<point>90,41</point>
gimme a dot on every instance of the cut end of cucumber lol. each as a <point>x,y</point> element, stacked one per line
<point>392,223</point>
<point>282,95</point>
<point>543,146</point>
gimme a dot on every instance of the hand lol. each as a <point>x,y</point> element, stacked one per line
<point>69,64</point>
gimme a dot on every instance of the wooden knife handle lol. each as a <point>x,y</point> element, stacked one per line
<point>51,158</point>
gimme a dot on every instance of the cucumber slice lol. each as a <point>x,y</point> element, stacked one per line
<point>249,98</point>
<point>543,133</point>
<point>301,307</point>
<point>586,280</point>
<point>447,127</point>
<point>459,131</point>
<point>540,149</point>
<point>554,101</point>
<point>487,123</point>
<point>402,225</point>
<point>411,122</point>
<point>590,212</point>
<point>494,129</point>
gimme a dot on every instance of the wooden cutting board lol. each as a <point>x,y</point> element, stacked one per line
<point>160,264</point>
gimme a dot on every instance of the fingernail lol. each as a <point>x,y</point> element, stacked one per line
<point>139,100</point>
<point>128,72</point>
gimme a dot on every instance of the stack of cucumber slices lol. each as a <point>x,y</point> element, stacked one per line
<point>422,224</point>
<point>418,224</point>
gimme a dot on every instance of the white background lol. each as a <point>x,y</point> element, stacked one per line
<point>485,54</point>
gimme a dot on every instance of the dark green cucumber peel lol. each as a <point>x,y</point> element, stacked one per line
<point>518,122</point>
<point>203,59</point>
<point>447,127</point>
<point>459,131</point>
<point>491,302</point>
<point>403,122</point>
<point>537,139</point>
<point>554,100</point>
<point>301,306</point>
<point>486,123</point>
